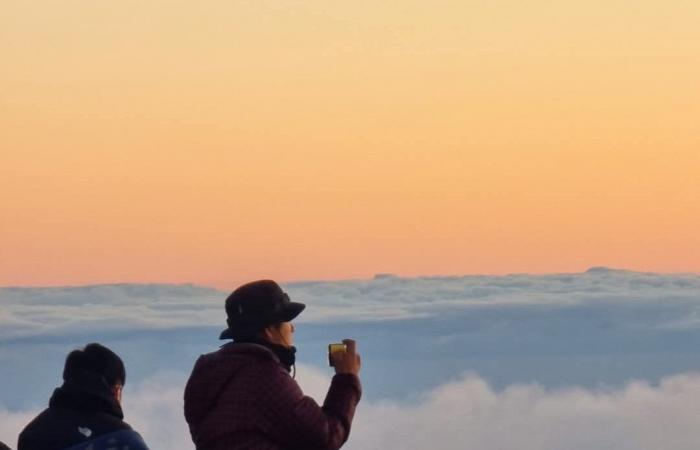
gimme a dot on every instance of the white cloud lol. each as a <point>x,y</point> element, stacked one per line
<point>63,311</point>
<point>470,414</point>
<point>602,325</point>
<point>464,414</point>
<point>11,423</point>
<point>155,409</point>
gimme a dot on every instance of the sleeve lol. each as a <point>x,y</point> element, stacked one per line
<point>296,420</point>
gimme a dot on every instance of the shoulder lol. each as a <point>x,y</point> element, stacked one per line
<point>240,350</point>
<point>43,429</point>
<point>61,428</point>
<point>234,356</point>
<point>215,372</point>
<point>123,439</point>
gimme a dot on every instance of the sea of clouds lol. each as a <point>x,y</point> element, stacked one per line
<point>605,359</point>
<point>464,414</point>
<point>58,310</point>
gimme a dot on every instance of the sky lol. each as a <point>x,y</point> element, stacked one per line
<point>222,141</point>
<point>604,359</point>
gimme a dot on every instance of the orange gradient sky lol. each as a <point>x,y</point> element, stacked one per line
<point>219,141</point>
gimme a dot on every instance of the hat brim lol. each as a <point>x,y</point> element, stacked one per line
<point>290,312</point>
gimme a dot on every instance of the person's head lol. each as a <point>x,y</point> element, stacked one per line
<point>262,310</point>
<point>97,359</point>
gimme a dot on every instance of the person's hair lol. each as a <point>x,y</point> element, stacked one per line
<point>98,359</point>
<point>248,333</point>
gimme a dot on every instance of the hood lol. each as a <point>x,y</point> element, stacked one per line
<point>86,391</point>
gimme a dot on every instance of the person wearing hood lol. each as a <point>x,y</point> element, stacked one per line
<point>85,412</point>
<point>242,396</point>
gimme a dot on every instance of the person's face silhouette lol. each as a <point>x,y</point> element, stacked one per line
<point>281,334</point>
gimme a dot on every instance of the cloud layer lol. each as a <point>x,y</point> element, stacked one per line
<point>470,414</point>
<point>555,355</point>
<point>467,413</point>
<point>54,311</point>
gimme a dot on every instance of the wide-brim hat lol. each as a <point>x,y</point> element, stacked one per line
<point>255,305</point>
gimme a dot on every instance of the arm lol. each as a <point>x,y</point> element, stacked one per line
<point>297,420</point>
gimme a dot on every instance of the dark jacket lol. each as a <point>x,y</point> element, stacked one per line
<point>241,397</point>
<point>82,413</point>
<point>4,447</point>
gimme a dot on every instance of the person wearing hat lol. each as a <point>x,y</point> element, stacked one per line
<point>242,396</point>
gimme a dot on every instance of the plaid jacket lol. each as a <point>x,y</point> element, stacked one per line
<point>240,397</point>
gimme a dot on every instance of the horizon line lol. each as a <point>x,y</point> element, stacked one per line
<point>376,276</point>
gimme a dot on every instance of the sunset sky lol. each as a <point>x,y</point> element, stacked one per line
<point>216,142</point>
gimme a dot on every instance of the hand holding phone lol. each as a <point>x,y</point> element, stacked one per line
<point>344,357</point>
<point>334,348</point>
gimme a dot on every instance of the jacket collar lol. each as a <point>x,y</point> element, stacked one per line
<point>250,348</point>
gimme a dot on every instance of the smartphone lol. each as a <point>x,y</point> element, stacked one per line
<point>333,348</point>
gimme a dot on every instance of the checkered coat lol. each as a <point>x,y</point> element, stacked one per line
<point>241,397</point>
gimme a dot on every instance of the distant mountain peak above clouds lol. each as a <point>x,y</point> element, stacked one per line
<point>385,276</point>
<point>602,270</point>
